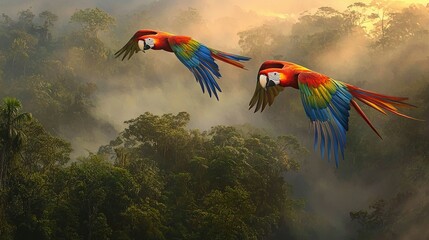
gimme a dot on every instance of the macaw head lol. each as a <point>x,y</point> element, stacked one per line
<point>270,77</point>
<point>146,43</point>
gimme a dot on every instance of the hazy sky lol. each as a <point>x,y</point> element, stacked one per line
<point>277,8</point>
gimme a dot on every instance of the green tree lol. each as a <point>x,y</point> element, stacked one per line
<point>358,15</point>
<point>48,20</point>
<point>25,19</point>
<point>43,152</point>
<point>162,139</point>
<point>26,201</point>
<point>21,49</point>
<point>188,177</point>
<point>258,41</point>
<point>396,218</point>
<point>382,14</point>
<point>146,220</point>
<point>85,41</point>
<point>12,136</point>
<point>408,24</point>
<point>228,214</point>
<point>92,20</point>
<point>92,198</point>
<point>315,33</point>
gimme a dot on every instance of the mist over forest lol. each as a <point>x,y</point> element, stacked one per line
<point>93,147</point>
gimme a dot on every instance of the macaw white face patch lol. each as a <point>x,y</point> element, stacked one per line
<point>150,42</point>
<point>141,44</point>
<point>275,77</point>
<point>263,80</point>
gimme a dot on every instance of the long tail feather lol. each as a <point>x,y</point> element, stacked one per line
<point>380,102</point>
<point>363,115</point>
<point>229,58</point>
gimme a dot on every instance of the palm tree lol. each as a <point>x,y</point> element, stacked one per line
<point>12,137</point>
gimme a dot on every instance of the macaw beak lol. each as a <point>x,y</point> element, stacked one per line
<point>263,81</point>
<point>270,83</point>
<point>146,47</point>
<point>143,46</point>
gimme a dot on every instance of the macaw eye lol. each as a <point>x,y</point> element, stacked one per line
<point>275,76</point>
<point>150,42</point>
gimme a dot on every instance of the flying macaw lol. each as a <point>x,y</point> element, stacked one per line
<point>326,101</point>
<point>198,58</point>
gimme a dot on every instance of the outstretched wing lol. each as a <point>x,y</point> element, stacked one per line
<point>132,45</point>
<point>199,60</point>
<point>327,104</point>
<point>262,97</point>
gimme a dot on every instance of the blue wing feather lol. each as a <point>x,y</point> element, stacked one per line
<point>322,141</point>
<point>198,78</point>
<point>207,82</point>
<point>328,115</point>
<point>198,59</point>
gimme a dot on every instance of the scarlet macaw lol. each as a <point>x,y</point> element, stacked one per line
<point>326,101</point>
<point>199,59</point>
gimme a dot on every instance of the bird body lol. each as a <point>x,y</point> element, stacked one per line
<point>198,58</point>
<point>326,101</point>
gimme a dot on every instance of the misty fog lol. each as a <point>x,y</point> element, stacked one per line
<point>157,82</point>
